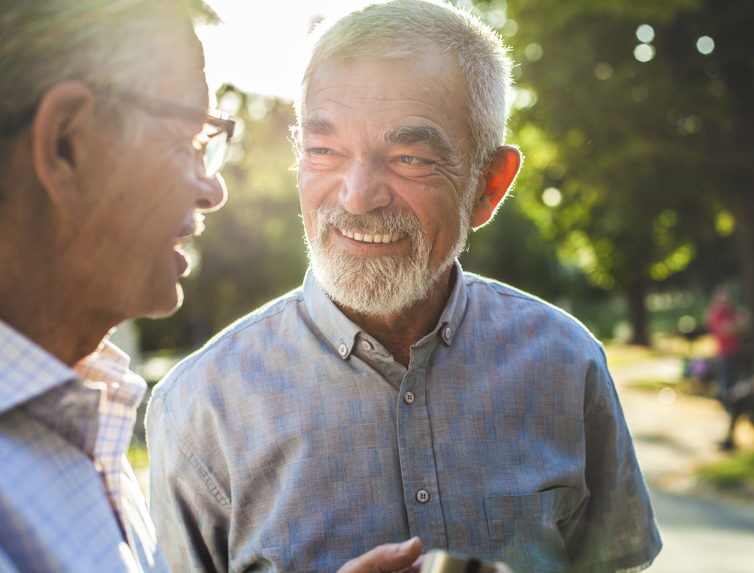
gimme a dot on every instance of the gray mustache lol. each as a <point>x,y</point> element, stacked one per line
<point>377,223</point>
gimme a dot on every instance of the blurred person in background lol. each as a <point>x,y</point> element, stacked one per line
<point>105,168</point>
<point>393,394</point>
<point>728,325</point>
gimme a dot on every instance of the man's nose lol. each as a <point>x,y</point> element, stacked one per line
<point>364,189</point>
<point>213,194</point>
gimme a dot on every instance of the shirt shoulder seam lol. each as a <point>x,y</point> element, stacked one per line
<point>269,310</point>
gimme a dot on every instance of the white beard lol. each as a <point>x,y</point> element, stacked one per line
<point>377,285</point>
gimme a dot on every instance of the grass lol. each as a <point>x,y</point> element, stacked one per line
<point>734,473</point>
<point>138,456</point>
<point>650,385</point>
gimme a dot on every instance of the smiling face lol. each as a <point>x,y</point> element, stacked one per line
<point>383,173</point>
<point>142,196</point>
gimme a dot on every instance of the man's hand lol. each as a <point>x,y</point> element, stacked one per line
<point>389,558</point>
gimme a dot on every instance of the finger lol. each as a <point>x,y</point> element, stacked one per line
<point>415,567</point>
<point>385,558</point>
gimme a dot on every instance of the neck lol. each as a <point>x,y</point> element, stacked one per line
<point>64,341</point>
<point>40,299</point>
<point>59,326</point>
<point>399,332</point>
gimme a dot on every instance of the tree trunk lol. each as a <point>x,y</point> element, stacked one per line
<point>637,311</point>
<point>742,207</point>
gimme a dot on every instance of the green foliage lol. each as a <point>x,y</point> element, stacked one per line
<point>625,212</point>
<point>138,456</point>
<point>733,473</point>
<point>630,164</point>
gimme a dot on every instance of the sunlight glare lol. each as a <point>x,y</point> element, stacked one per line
<point>259,47</point>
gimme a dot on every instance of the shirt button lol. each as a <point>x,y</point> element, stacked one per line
<point>422,496</point>
<point>409,398</point>
<point>366,345</point>
<point>343,349</point>
<point>446,333</point>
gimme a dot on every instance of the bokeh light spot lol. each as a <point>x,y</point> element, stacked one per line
<point>686,324</point>
<point>644,52</point>
<point>666,396</point>
<point>524,98</point>
<point>705,45</point>
<point>533,52</point>
<point>639,93</point>
<point>552,197</point>
<point>509,28</point>
<point>603,70</point>
<point>645,33</point>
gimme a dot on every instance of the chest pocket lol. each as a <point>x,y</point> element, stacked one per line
<point>524,531</point>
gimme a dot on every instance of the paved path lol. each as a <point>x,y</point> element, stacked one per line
<point>701,534</point>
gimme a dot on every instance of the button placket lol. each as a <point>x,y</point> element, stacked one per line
<point>418,465</point>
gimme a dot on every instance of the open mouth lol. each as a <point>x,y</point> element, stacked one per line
<point>372,238</point>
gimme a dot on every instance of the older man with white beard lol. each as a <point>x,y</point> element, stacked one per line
<point>394,395</point>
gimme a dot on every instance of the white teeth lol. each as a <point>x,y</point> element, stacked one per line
<point>376,238</point>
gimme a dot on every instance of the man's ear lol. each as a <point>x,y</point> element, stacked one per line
<point>59,133</point>
<point>497,179</point>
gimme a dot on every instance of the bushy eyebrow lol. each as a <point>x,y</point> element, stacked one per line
<point>409,134</point>
<point>318,126</point>
<point>404,135</point>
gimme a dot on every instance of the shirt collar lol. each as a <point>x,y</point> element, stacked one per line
<point>452,316</point>
<point>27,369</point>
<point>68,400</point>
<point>109,365</point>
<point>337,329</point>
<point>342,334</point>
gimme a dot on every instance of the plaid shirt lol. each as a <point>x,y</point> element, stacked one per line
<point>68,498</point>
<point>294,440</point>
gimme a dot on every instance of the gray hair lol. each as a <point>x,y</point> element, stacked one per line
<point>104,43</point>
<point>400,28</point>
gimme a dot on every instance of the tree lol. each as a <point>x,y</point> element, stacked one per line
<point>625,169</point>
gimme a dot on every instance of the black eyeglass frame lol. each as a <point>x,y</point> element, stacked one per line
<point>160,107</point>
<point>151,105</point>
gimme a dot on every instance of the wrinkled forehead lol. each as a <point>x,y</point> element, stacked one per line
<point>371,98</point>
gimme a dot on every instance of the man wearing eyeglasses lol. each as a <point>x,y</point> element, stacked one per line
<point>108,159</point>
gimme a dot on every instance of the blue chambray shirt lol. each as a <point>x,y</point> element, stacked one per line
<point>55,515</point>
<point>293,440</point>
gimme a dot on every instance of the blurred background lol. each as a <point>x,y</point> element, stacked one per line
<point>635,201</point>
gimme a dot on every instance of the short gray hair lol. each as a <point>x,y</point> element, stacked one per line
<point>400,28</point>
<point>102,43</point>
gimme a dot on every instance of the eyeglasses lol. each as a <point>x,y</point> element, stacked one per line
<point>211,142</point>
